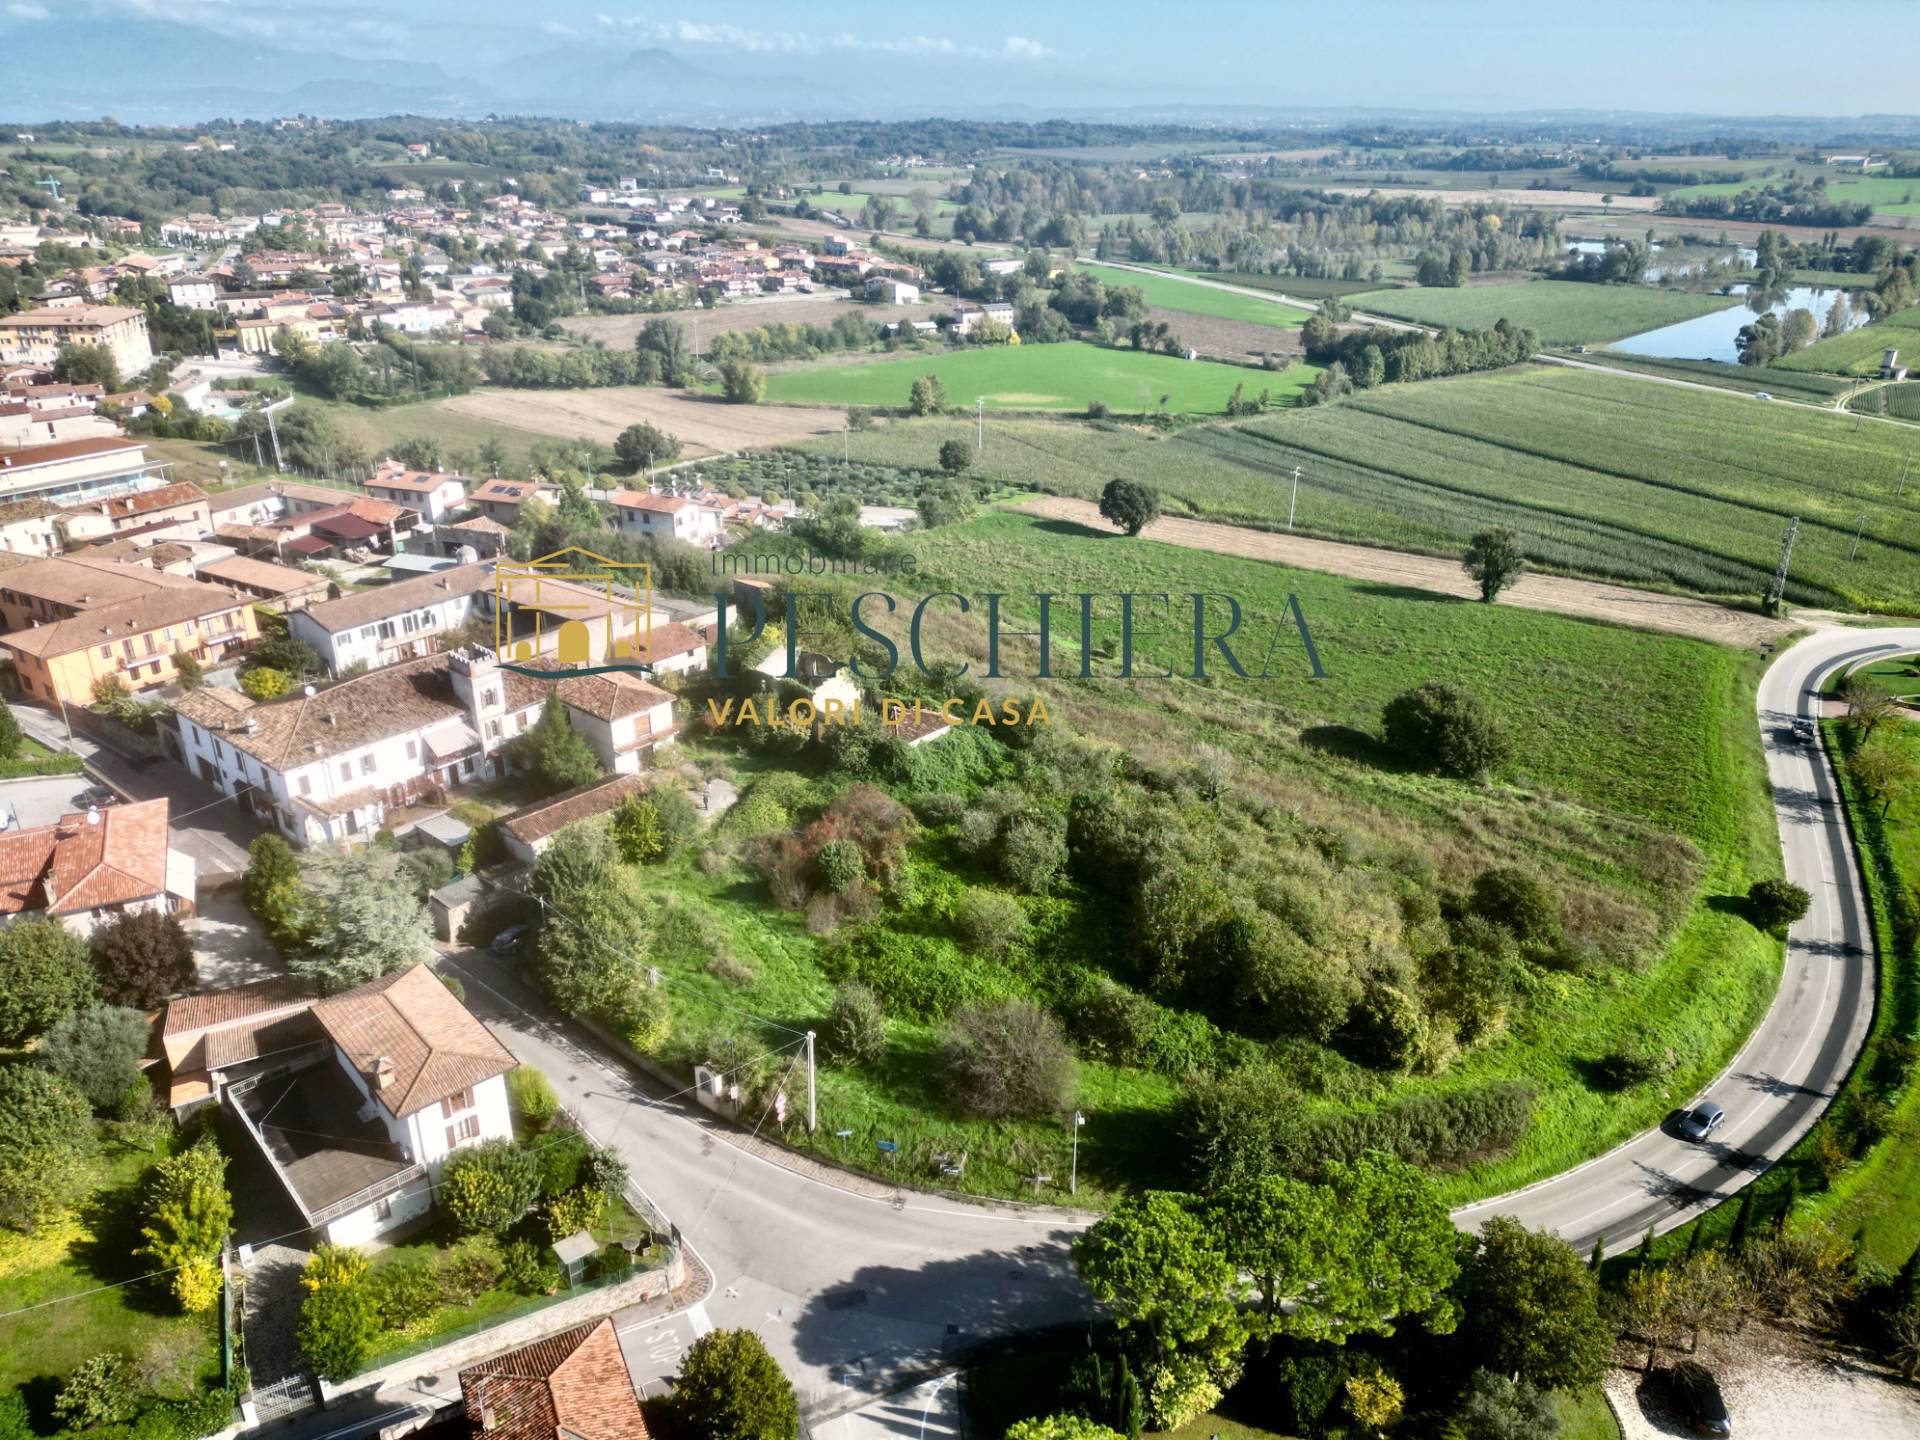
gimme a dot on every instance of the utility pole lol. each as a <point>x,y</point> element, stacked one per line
<point>1858,531</point>
<point>273,429</point>
<point>1777,591</point>
<point>810,1096</point>
<point>1294,498</point>
<point>979,423</point>
<point>1073,1175</point>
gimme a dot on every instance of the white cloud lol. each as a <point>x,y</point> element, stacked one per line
<point>27,10</point>
<point>791,42</point>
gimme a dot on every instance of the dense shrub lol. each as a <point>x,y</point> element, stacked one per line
<point>98,1050</point>
<point>855,1032</point>
<point>45,973</point>
<point>989,922</point>
<point>1436,727</point>
<point>730,1388</point>
<point>489,1186</point>
<point>405,1288</point>
<point>141,958</point>
<point>532,1096</point>
<point>44,1145</point>
<point>100,1391</point>
<point>1775,904</point>
<point>1521,901</point>
<point>1008,1059</point>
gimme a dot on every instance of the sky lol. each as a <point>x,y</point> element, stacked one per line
<point>1727,57</point>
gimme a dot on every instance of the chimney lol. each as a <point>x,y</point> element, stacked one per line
<point>328,718</point>
<point>382,1074</point>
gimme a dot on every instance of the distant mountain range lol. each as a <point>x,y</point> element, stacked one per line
<point>160,72</point>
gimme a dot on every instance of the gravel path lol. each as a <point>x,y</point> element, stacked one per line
<point>1781,1397</point>
<point>1642,609</point>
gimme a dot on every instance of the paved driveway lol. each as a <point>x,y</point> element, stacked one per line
<point>229,947</point>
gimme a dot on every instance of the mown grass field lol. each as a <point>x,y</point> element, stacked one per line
<point>1600,475</point>
<point>1040,377</point>
<point>1659,743</point>
<point>1858,351</point>
<point>1887,196</point>
<point>1175,292</point>
<point>1560,312</point>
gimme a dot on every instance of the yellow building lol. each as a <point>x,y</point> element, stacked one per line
<point>35,337</point>
<point>133,641</point>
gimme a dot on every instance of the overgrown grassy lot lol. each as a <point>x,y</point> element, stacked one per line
<point>1653,485</point>
<point>1066,376</point>
<point>1635,788</point>
<point>1560,312</point>
<point>1177,292</point>
<point>1858,351</point>
<point>87,1255</point>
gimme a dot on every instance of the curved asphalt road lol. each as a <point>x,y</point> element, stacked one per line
<point>1793,1064</point>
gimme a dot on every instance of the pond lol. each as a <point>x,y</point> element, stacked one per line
<point>1712,337</point>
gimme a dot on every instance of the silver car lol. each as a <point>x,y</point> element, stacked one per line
<point>1701,1121</point>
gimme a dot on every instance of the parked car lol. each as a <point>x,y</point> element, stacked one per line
<point>1701,1121</point>
<point>1805,732</point>
<point>510,939</point>
<point>1761,395</point>
<point>95,797</point>
<point>1698,1394</point>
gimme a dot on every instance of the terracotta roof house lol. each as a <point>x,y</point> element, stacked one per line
<point>180,509</point>
<point>88,869</point>
<point>500,500</point>
<point>530,829</point>
<point>357,1100</point>
<point>570,1386</point>
<point>434,495</point>
<point>395,622</point>
<point>675,517</point>
<point>276,587</point>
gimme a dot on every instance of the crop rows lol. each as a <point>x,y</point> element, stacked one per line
<point>1901,401</point>
<point>1748,378</point>
<point>1560,312</point>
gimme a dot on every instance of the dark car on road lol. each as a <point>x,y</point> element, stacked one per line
<point>1701,1121</point>
<point>95,797</point>
<point>511,939</point>
<point>1804,732</point>
<point>1698,1395</point>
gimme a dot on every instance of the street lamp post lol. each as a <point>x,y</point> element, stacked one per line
<point>1073,1174</point>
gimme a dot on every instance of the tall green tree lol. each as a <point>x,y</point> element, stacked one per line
<point>554,751</point>
<point>44,1145</point>
<point>10,736</point>
<point>190,1214</point>
<point>730,1388</point>
<point>45,973</point>
<point>1129,505</point>
<point>369,920</point>
<point>592,935</point>
<point>141,958</point>
<point>1494,560</point>
<point>97,1049</point>
<point>1533,1308</point>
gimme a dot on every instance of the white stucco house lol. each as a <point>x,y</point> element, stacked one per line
<point>356,1101</point>
<point>672,517</point>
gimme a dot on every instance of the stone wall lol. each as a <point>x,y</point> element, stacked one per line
<point>512,1334</point>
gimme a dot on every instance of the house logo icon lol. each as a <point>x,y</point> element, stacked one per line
<point>573,609</point>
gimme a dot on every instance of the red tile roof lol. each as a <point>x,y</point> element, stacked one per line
<point>82,862</point>
<point>642,500</point>
<point>66,450</point>
<point>574,1384</point>
<point>597,797</point>
<point>432,1043</point>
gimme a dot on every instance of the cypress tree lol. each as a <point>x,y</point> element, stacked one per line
<point>1646,1247</point>
<point>1129,1406</point>
<point>1693,1239</point>
<point>1599,1251</point>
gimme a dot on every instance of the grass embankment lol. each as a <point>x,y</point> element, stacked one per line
<point>73,1270</point>
<point>1745,378</point>
<point>1065,376</point>
<point>1178,292</point>
<point>1601,475</point>
<point>1858,352</point>
<point>1560,312</point>
<point>1626,740</point>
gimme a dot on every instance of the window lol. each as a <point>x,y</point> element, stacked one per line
<point>346,770</point>
<point>456,1102</point>
<point>106,652</point>
<point>489,698</point>
<point>306,784</point>
<point>366,764</point>
<point>383,1208</point>
<point>467,1129</point>
<point>493,729</point>
<point>126,649</point>
<point>413,750</point>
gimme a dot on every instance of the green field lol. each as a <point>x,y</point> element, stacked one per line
<point>1560,312</point>
<point>1886,196</point>
<point>1858,351</point>
<point>1039,377</point>
<point>1304,287</point>
<point>1666,748</point>
<point>1899,401</point>
<point>1173,292</point>
<point>1602,475</point>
